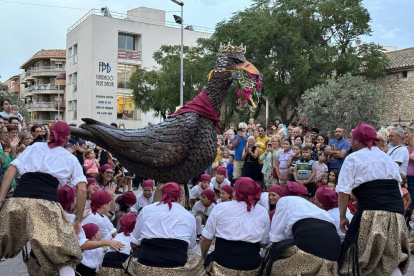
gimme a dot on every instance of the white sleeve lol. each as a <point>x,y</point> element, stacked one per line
<point>105,235</point>
<point>265,239</point>
<point>401,155</point>
<point>77,174</point>
<point>109,226</point>
<point>195,208</point>
<point>210,227</point>
<point>136,234</point>
<point>346,176</point>
<point>277,230</point>
<point>193,192</point>
<point>82,237</point>
<point>192,246</point>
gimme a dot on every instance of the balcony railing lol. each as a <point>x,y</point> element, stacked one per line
<point>41,88</point>
<point>41,106</point>
<point>44,71</point>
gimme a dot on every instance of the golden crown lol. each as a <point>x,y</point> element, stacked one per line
<point>232,49</point>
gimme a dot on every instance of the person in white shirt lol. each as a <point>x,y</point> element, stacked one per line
<point>301,231</point>
<point>123,204</point>
<point>240,227</point>
<point>398,152</point>
<point>203,184</point>
<point>269,199</point>
<point>220,180</point>
<point>226,194</point>
<point>100,205</point>
<point>202,209</point>
<point>145,198</point>
<point>92,258</point>
<point>42,167</point>
<point>327,199</point>
<point>113,260</point>
<point>376,240</point>
<point>165,233</point>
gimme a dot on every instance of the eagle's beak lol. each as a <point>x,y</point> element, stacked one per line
<point>248,68</point>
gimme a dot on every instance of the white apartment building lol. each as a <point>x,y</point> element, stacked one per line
<point>103,50</point>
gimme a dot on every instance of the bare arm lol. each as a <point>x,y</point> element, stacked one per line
<point>409,200</point>
<point>339,154</point>
<point>343,200</point>
<point>7,180</point>
<point>204,246</point>
<point>116,245</point>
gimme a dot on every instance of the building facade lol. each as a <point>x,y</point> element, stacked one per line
<point>13,84</point>
<point>44,98</point>
<point>103,51</point>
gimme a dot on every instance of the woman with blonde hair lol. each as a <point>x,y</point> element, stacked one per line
<point>250,156</point>
<point>382,135</point>
<point>269,158</point>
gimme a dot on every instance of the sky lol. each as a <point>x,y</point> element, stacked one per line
<point>26,29</point>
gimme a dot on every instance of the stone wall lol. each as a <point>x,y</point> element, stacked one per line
<point>400,89</point>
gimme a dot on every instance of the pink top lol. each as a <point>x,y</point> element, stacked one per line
<point>93,168</point>
<point>320,170</point>
<point>410,168</point>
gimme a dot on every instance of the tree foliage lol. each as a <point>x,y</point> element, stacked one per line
<point>15,99</point>
<point>298,44</point>
<point>347,101</point>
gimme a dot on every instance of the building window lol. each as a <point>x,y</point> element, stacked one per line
<point>124,74</point>
<point>75,53</point>
<point>58,65</point>
<point>75,109</point>
<point>404,74</point>
<point>74,81</point>
<point>126,107</point>
<point>126,42</point>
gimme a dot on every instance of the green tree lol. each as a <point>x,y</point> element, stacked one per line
<point>159,90</point>
<point>347,100</point>
<point>298,44</point>
<point>15,99</point>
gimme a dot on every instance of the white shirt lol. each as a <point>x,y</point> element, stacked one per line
<point>264,201</point>
<point>93,258</point>
<point>334,213</point>
<point>231,221</point>
<point>366,165</point>
<point>401,155</point>
<point>142,201</point>
<point>289,210</point>
<point>199,207</point>
<point>102,224</point>
<point>81,237</point>
<point>5,115</point>
<point>196,191</point>
<point>57,162</point>
<point>218,186</point>
<point>125,240</point>
<point>157,221</point>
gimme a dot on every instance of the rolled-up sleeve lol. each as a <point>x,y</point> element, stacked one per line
<point>265,239</point>
<point>346,176</point>
<point>136,234</point>
<point>77,174</point>
<point>210,227</point>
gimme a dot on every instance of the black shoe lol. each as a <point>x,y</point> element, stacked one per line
<point>198,238</point>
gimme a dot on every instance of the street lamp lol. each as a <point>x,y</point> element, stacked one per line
<point>180,20</point>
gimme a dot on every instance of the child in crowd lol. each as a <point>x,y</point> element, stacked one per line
<point>308,142</point>
<point>15,112</point>
<point>145,198</point>
<point>230,169</point>
<point>296,155</point>
<point>321,167</point>
<point>324,180</point>
<point>90,163</point>
<point>196,191</point>
<point>91,259</point>
<point>282,163</point>
<point>353,204</point>
<point>219,180</point>
<point>202,209</point>
<point>332,186</point>
<point>123,206</point>
<point>406,195</point>
<point>225,160</point>
<point>113,260</point>
<point>305,170</point>
<point>226,194</point>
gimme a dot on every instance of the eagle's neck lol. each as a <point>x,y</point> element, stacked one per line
<point>217,88</point>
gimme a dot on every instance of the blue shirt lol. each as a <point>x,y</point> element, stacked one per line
<point>230,170</point>
<point>336,163</point>
<point>238,151</point>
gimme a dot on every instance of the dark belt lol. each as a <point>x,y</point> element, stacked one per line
<point>237,255</point>
<point>37,185</point>
<point>162,252</point>
<point>114,260</point>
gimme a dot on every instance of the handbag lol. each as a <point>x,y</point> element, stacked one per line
<point>274,171</point>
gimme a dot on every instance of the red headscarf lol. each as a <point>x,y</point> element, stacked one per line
<point>271,214</point>
<point>171,192</point>
<point>90,181</point>
<point>66,195</point>
<point>210,195</point>
<point>294,189</point>
<point>90,230</point>
<point>276,189</point>
<point>221,170</point>
<point>228,189</point>
<point>365,134</point>
<point>127,198</point>
<point>127,222</point>
<point>328,197</point>
<point>58,133</point>
<point>205,178</point>
<point>99,199</point>
<point>105,167</point>
<point>248,191</point>
<point>148,183</point>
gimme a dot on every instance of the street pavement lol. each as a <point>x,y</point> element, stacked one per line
<point>16,266</point>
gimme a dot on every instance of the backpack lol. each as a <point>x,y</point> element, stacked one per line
<point>304,169</point>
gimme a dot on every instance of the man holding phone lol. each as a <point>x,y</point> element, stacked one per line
<point>239,143</point>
